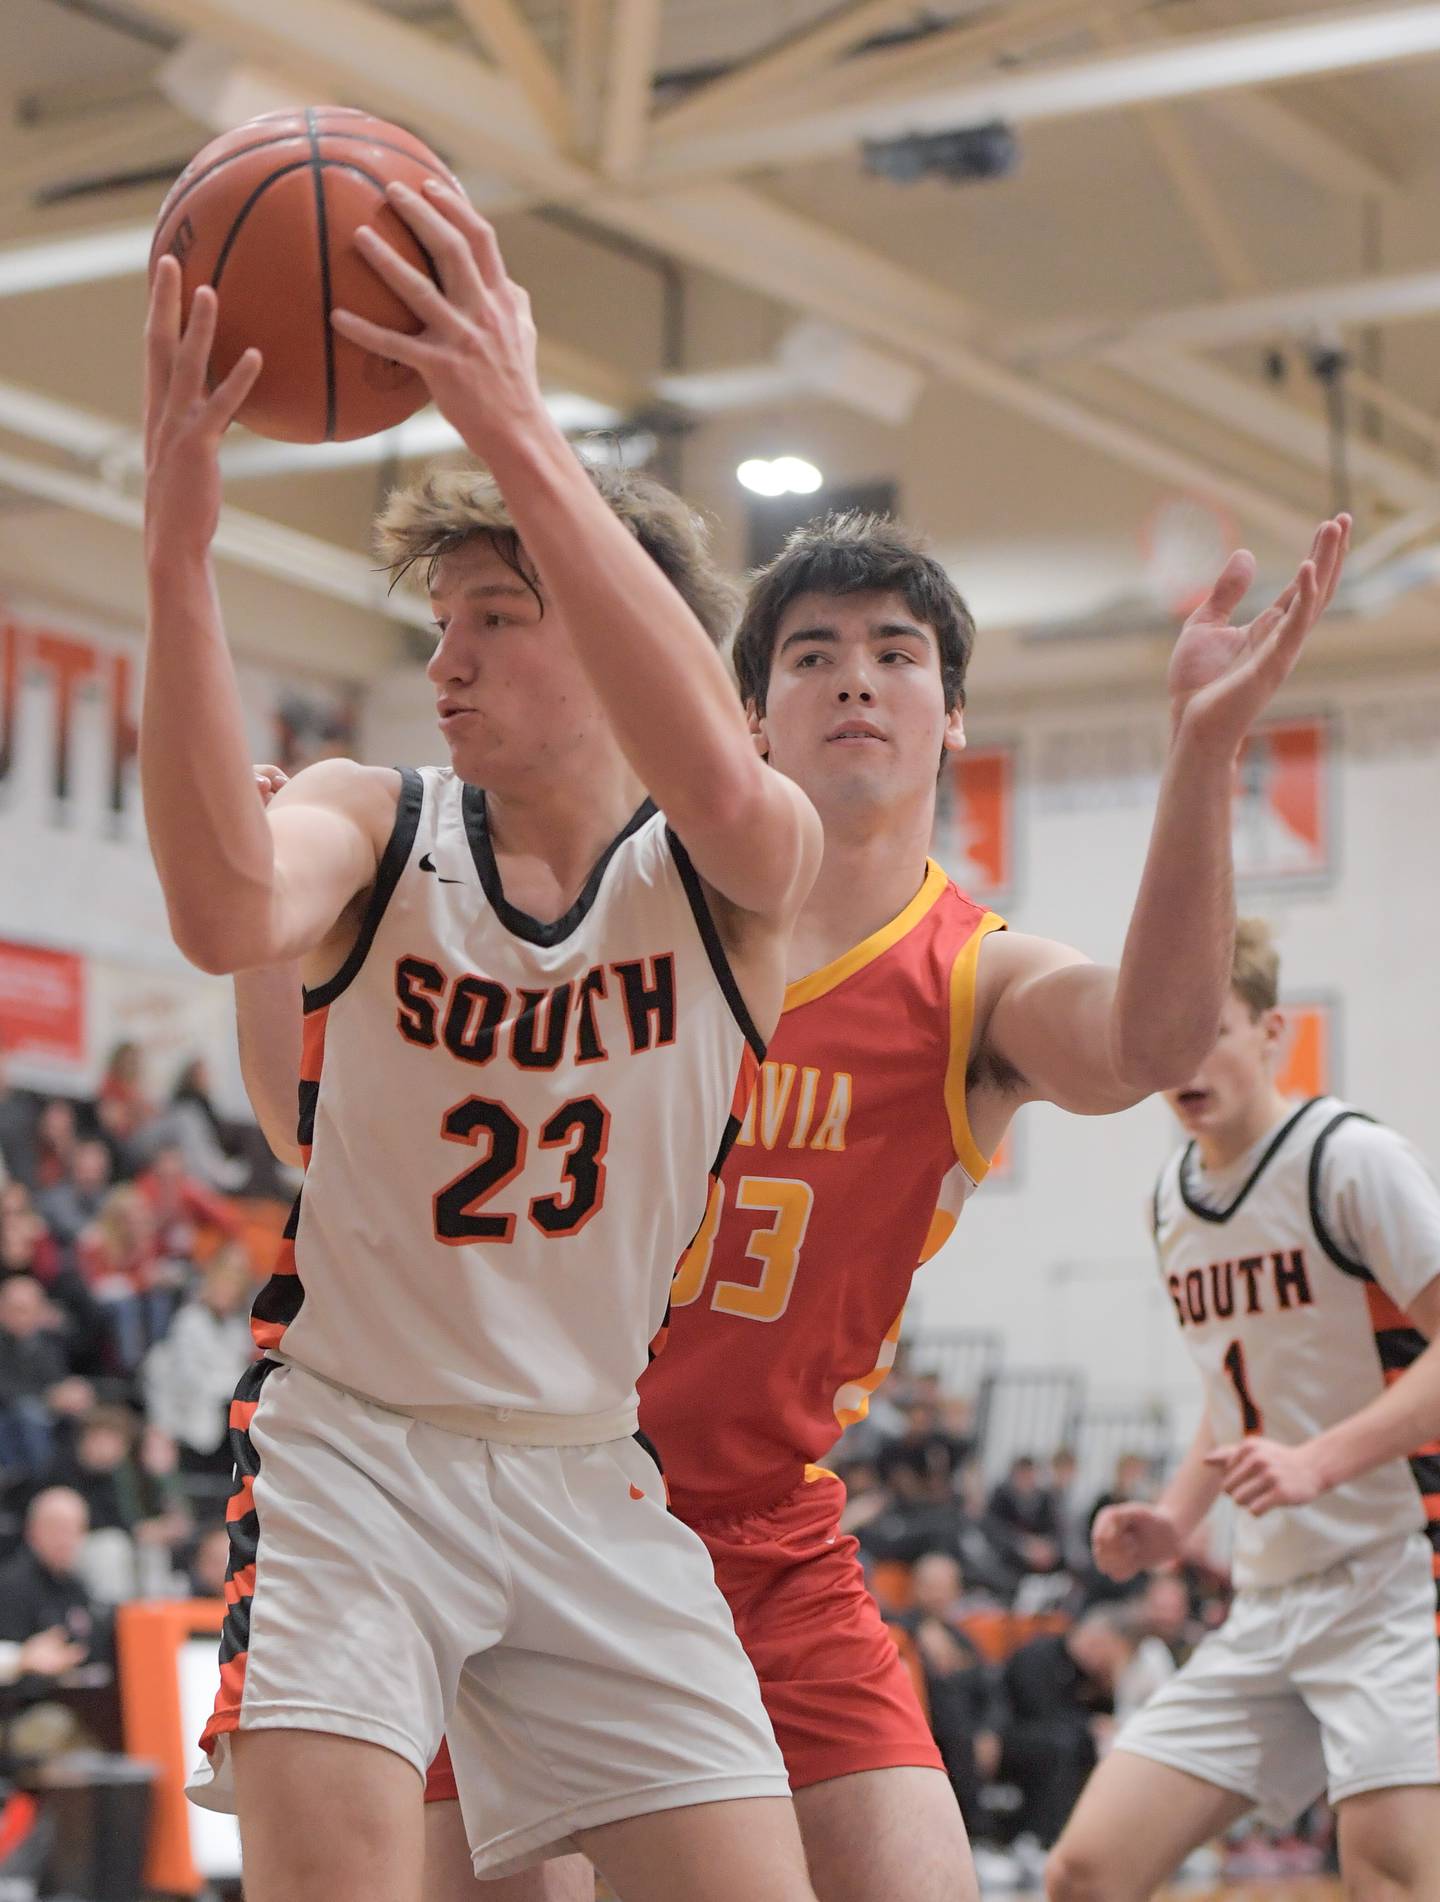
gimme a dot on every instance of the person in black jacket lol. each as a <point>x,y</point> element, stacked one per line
<point>36,1386</point>
<point>40,1587</point>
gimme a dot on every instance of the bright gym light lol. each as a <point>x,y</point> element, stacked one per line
<point>781,475</point>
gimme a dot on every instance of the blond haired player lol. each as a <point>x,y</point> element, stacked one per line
<point>914,1028</point>
<point>1300,1247</point>
<point>532,1017</point>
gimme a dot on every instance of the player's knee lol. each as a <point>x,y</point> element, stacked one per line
<point>1077,1872</point>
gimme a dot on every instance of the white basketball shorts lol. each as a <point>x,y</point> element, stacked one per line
<point>1325,1684</point>
<point>539,1605</point>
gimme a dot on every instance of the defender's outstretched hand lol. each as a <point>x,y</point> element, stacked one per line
<point>1223,677</point>
<point>184,417</point>
<point>476,350</point>
<point>1261,1474</point>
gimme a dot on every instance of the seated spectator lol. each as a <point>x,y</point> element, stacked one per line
<point>1074,1533</point>
<point>56,1137</point>
<point>1164,1611</point>
<point>41,1589</point>
<point>18,1116</point>
<point>28,1248</point>
<point>1132,1481</point>
<point>135,1284</point>
<point>72,1205</point>
<point>37,1388</point>
<point>210,1566</point>
<point>924,1446</point>
<point>1054,1707</point>
<point>957,1682</point>
<point>125,1473</point>
<point>1023,1520</point>
<point>190,1375</point>
<point>189,1216</point>
<point>123,1108</point>
<point>193,1126</point>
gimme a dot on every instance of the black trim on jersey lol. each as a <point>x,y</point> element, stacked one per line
<point>1327,1241</point>
<point>1223,1215</point>
<point>392,863</point>
<point>714,949</point>
<point>1155,1203</point>
<point>519,923</point>
<point>245,1531</point>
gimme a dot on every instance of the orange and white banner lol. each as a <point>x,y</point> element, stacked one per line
<point>975,822</point>
<point>1310,1065</point>
<point>1282,828</point>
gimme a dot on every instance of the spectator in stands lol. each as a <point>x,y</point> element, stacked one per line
<point>191,1374</point>
<point>18,1118</point>
<point>135,1285</point>
<point>56,1136</point>
<point>41,1589</point>
<point>26,1244</point>
<point>925,1447</point>
<point>958,1683</point>
<point>37,1389</point>
<point>123,1107</point>
<point>1165,1612</point>
<point>1054,1710</point>
<point>194,1127</point>
<point>125,1473</point>
<point>210,1565</point>
<point>1023,1520</point>
<point>28,1248</point>
<point>1064,1487</point>
<point>188,1214</point>
<point>70,1206</point>
<point>1132,1481</point>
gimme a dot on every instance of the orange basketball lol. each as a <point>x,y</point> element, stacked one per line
<point>267,215</point>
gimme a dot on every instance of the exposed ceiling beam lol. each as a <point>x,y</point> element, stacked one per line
<point>368,57</point>
<point>86,258</point>
<point>584,68</point>
<point>625,116</point>
<point>1293,139</point>
<point>1380,299</point>
<point>1199,65</point>
<point>251,540</point>
<point>795,59</point>
<point>510,40</point>
<point>1244,405</point>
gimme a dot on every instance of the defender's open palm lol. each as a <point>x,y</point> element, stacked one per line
<point>1222,677</point>
<point>184,417</point>
<point>476,350</point>
<point>1133,1538</point>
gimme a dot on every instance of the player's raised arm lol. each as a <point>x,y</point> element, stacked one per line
<point>752,834</point>
<point>241,887</point>
<point>1094,1039</point>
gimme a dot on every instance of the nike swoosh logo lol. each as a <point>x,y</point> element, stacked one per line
<point>427,864</point>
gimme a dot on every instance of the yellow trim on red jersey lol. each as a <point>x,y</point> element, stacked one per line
<point>962,1023</point>
<point>806,989</point>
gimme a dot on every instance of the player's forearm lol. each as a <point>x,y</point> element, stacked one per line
<point>1175,969</point>
<point>208,834</point>
<point>1403,1419</point>
<point>1194,1487</point>
<point>267,1024</point>
<point>664,687</point>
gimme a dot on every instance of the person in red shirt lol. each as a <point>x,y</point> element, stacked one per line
<point>914,1027</point>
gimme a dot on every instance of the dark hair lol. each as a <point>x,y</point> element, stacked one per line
<point>852,554</point>
<point>444,508</point>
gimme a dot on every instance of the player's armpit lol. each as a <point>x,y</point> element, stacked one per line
<point>1051,1022</point>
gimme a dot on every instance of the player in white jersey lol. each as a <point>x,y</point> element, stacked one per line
<point>1300,1248</point>
<point>531,1013</point>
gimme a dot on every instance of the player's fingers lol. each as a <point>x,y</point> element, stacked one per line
<point>162,331</point>
<point>192,359</point>
<point>414,288</point>
<point>397,345</point>
<point>479,232</point>
<point>1232,584</point>
<point>451,249</point>
<point>1332,558</point>
<point>228,396</point>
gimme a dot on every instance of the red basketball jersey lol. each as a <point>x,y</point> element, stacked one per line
<point>851,1169</point>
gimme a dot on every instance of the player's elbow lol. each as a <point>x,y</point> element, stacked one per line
<point>210,945</point>
<point>1164,1056</point>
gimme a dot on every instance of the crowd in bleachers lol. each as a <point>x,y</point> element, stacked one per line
<point>129,1246</point>
<point>1026,1656</point>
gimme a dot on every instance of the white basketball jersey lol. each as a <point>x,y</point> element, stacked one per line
<point>1292,1328</point>
<point>508,1127</point>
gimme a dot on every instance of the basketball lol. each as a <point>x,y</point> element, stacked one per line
<point>267,215</point>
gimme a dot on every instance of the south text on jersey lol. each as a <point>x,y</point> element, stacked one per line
<point>630,1005</point>
<point>1252,1284</point>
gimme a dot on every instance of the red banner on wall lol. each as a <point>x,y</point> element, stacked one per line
<point>42,1002</point>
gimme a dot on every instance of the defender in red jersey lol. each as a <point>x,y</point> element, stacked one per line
<point>913,1029</point>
